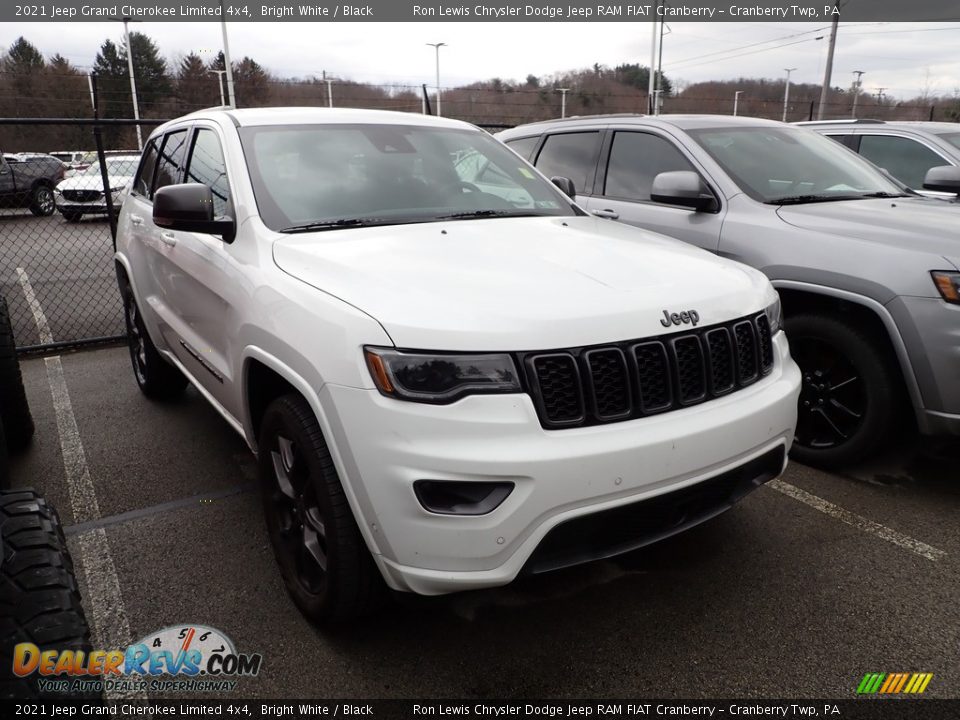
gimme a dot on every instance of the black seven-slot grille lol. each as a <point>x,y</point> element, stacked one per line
<point>606,383</point>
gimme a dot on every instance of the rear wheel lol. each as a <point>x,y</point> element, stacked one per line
<point>849,393</point>
<point>323,559</point>
<point>156,378</point>
<point>39,598</point>
<point>14,410</point>
<point>41,201</point>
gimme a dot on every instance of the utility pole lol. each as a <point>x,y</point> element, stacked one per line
<point>227,65</point>
<point>133,83</point>
<point>786,93</point>
<point>828,71</point>
<point>329,82</point>
<point>653,60</point>
<point>223,100</point>
<point>563,101</point>
<point>659,91</point>
<point>880,95</point>
<point>736,101</point>
<point>437,47</point>
<point>856,91</point>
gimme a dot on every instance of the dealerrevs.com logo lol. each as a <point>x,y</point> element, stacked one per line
<point>179,658</point>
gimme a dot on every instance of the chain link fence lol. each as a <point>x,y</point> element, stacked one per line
<point>56,245</point>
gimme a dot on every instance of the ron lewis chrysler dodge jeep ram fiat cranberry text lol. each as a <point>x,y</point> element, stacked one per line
<point>449,372</point>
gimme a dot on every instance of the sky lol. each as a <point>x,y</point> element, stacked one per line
<point>906,59</point>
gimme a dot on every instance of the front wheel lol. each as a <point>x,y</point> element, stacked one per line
<point>156,377</point>
<point>849,393</point>
<point>323,559</point>
<point>41,201</point>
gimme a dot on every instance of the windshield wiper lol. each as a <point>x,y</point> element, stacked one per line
<point>802,199</point>
<point>884,194</point>
<point>335,224</point>
<point>489,213</point>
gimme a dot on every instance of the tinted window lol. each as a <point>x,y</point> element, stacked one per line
<point>523,146</point>
<point>907,160</point>
<point>635,160</point>
<point>571,155</point>
<point>208,167</point>
<point>171,159</point>
<point>141,185</point>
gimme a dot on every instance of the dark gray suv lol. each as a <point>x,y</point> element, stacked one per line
<point>868,271</point>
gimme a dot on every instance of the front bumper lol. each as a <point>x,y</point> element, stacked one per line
<point>386,445</point>
<point>87,208</point>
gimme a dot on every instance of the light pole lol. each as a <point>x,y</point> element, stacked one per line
<point>856,90</point>
<point>133,83</point>
<point>736,101</point>
<point>437,47</point>
<point>228,68</point>
<point>329,82</point>
<point>563,101</point>
<point>220,73</point>
<point>786,93</point>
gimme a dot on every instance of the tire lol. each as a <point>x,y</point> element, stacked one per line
<point>41,201</point>
<point>156,378</point>
<point>72,217</point>
<point>39,599</point>
<point>323,559</point>
<point>850,391</point>
<point>14,410</point>
<point>4,461</point>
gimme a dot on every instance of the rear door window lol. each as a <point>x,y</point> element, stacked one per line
<point>170,164</point>
<point>523,147</point>
<point>573,156</point>
<point>144,179</point>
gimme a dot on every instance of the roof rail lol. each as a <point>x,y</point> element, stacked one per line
<point>847,121</point>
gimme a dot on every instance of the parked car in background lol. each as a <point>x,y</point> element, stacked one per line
<point>906,150</point>
<point>27,181</point>
<point>83,194</point>
<point>76,160</point>
<point>869,273</point>
<point>447,383</point>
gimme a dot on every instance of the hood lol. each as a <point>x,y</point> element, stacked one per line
<point>90,182</point>
<point>512,284</point>
<point>919,223</point>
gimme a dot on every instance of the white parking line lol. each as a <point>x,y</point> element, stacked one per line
<point>104,606</point>
<point>861,523</point>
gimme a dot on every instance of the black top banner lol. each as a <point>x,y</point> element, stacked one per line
<point>490,11</point>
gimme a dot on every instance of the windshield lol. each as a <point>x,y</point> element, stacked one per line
<point>773,164</point>
<point>309,177</point>
<point>115,168</point>
<point>952,138</point>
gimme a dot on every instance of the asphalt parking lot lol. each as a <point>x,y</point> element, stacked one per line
<point>797,592</point>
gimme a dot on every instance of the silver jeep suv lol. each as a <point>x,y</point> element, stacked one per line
<point>868,271</point>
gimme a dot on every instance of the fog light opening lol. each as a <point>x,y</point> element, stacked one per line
<point>454,497</point>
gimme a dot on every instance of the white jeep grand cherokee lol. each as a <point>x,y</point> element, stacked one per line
<point>450,373</point>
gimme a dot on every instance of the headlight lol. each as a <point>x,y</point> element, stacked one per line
<point>948,283</point>
<point>440,378</point>
<point>774,313</point>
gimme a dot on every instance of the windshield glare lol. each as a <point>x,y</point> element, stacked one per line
<point>774,163</point>
<point>386,174</point>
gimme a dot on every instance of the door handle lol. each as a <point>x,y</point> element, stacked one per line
<point>168,238</point>
<point>609,214</point>
<point>136,220</point>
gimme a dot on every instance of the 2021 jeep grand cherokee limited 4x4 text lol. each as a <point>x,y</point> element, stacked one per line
<point>450,373</point>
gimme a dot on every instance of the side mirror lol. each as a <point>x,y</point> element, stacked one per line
<point>682,187</point>
<point>566,186</point>
<point>945,178</point>
<point>189,207</point>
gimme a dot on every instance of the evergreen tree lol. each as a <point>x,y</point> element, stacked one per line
<point>196,87</point>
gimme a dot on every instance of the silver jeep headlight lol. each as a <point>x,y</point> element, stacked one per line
<point>440,378</point>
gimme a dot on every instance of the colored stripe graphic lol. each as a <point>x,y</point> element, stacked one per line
<point>894,683</point>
